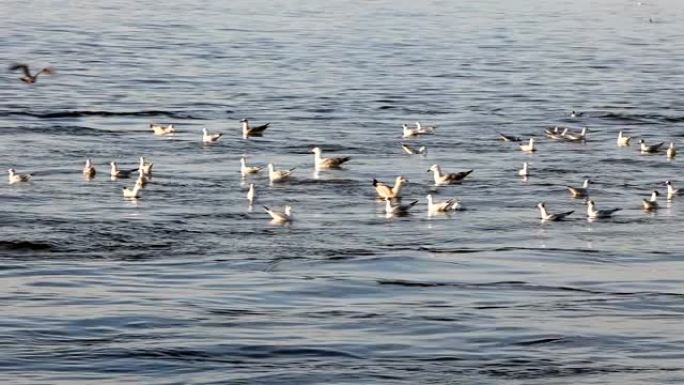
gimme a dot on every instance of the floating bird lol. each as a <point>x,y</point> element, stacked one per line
<point>133,193</point>
<point>320,163</point>
<point>425,129</point>
<point>210,138</point>
<point>251,194</point>
<point>145,167</point>
<point>556,133</point>
<point>16,178</point>
<point>575,114</point>
<point>280,217</point>
<point>115,172</point>
<point>671,151</point>
<point>649,149</point>
<point>524,171</point>
<point>449,178</point>
<point>28,78</point>
<point>89,169</point>
<point>442,207</point>
<point>248,130</point>
<point>622,140</point>
<point>593,213</point>
<point>409,132</point>
<point>509,138</point>
<point>422,150</point>
<point>671,191</point>
<point>548,217</point>
<point>246,170</point>
<point>397,210</point>
<point>576,136</point>
<point>278,175</point>
<point>652,203</point>
<point>580,192</point>
<point>160,129</point>
<point>528,147</point>
<point>385,191</point>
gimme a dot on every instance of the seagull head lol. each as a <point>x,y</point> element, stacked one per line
<point>316,150</point>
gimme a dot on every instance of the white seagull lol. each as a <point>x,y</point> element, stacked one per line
<point>16,178</point>
<point>649,149</point>
<point>548,217</point>
<point>115,172</point>
<point>89,170</point>
<point>652,203</point>
<point>671,191</point>
<point>448,178</point>
<point>210,138</point>
<point>671,151</point>
<point>622,140</point>
<point>442,207</point>
<point>321,163</point>
<point>529,147</point>
<point>246,170</point>
<point>145,167</point>
<point>593,213</point>
<point>409,132</point>
<point>525,172</point>
<point>251,194</point>
<point>133,193</point>
<point>278,175</point>
<point>422,150</point>
<point>248,130</point>
<point>397,210</point>
<point>580,192</point>
<point>280,217</point>
<point>384,191</point>
<point>160,129</point>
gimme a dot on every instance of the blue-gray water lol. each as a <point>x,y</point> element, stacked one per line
<point>188,287</point>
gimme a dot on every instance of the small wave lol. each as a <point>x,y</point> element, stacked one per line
<point>25,246</point>
<point>641,118</point>
<point>102,113</point>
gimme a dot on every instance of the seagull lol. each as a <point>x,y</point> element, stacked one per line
<point>210,138</point>
<point>509,138</point>
<point>422,150</point>
<point>671,191</point>
<point>622,140</point>
<point>145,167</point>
<point>397,210</point>
<point>280,216</point>
<point>524,171</point>
<point>248,131</point>
<point>160,129</point>
<point>575,114</point>
<point>425,129</point>
<point>442,207</point>
<point>651,204</point>
<point>556,133</point>
<point>444,179</point>
<point>115,172</point>
<point>15,178</point>
<point>28,78</point>
<point>278,175</point>
<point>409,132</point>
<point>133,193</point>
<point>528,147</point>
<point>671,151</point>
<point>580,192</point>
<point>592,213</point>
<point>576,136</point>
<point>89,169</point>
<point>548,217</point>
<point>384,191</point>
<point>251,194</point>
<point>650,149</point>
<point>320,163</point>
<point>245,170</point>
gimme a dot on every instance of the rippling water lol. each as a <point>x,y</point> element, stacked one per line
<point>188,286</point>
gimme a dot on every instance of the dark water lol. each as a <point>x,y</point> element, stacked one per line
<point>187,286</point>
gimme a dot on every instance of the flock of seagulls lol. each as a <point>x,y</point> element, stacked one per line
<point>390,194</point>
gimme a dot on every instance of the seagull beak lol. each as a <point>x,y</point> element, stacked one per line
<point>428,170</point>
